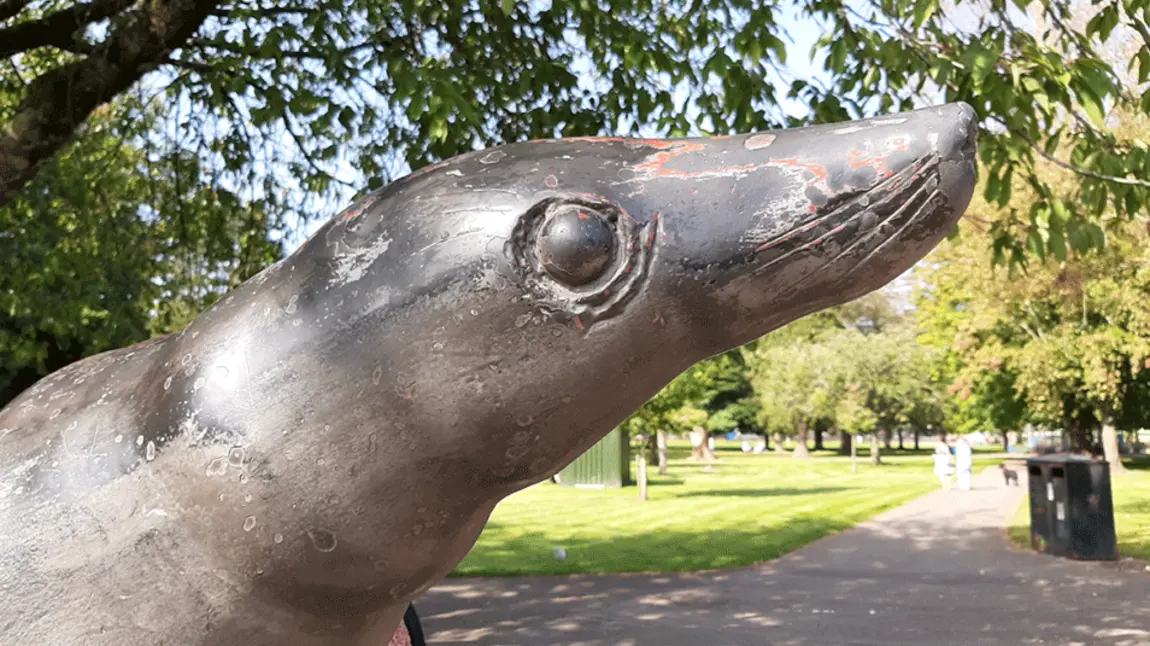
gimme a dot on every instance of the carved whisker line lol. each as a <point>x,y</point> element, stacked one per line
<point>806,246</point>
<point>902,210</point>
<point>840,204</point>
<point>922,210</point>
<point>888,191</point>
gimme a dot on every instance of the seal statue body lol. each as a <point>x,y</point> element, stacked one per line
<point>328,440</point>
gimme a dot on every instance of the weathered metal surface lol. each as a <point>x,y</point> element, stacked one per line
<point>327,441</point>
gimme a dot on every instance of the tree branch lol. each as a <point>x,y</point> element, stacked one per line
<point>301,54</point>
<point>1129,181</point>
<point>9,8</point>
<point>58,29</point>
<point>59,101</point>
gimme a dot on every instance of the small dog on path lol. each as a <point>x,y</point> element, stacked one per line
<point>1010,475</point>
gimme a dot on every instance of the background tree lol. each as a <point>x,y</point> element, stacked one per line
<point>111,244</point>
<point>327,97</point>
<point>1064,341</point>
<point>664,411</point>
<point>796,385</point>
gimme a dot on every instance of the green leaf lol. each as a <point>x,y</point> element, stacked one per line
<point>507,6</point>
<point>923,10</point>
<point>1093,105</point>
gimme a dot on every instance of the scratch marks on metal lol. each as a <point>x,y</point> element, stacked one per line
<point>353,265</point>
<point>785,211</point>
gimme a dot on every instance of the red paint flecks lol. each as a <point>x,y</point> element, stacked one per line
<point>551,181</point>
<point>812,208</point>
<point>819,171</point>
<point>594,197</point>
<point>859,159</point>
<point>654,165</point>
<point>653,143</point>
<point>826,236</point>
<point>349,214</point>
<point>584,216</point>
<point>578,322</point>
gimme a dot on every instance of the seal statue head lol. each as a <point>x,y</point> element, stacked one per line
<point>564,282</point>
<point>333,434</point>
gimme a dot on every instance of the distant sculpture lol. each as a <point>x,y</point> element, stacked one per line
<point>327,442</point>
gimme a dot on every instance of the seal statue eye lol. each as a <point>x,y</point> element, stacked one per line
<point>575,245</point>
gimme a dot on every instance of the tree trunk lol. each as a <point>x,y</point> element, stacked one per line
<point>1006,441</point>
<point>58,101</point>
<point>854,455</point>
<point>642,474</point>
<point>1110,444</point>
<point>661,441</point>
<point>900,446</point>
<point>779,444</point>
<point>801,450</point>
<point>916,438</point>
<point>886,438</point>
<point>875,458</point>
<point>818,438</point>
<point>846,443</point>
<point>1076,434</point>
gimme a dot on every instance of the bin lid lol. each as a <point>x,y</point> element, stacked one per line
<point>1063,458</point>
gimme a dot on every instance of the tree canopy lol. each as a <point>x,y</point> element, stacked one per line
<point>327,95</point>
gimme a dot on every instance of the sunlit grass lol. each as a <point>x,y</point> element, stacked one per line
<point>751,508</point>
<point>1131,512</point>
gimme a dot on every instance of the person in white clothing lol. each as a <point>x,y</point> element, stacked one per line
<point>963,463</point>
<point>942,461</point>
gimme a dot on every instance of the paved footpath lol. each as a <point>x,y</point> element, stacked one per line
<point>937,570</point>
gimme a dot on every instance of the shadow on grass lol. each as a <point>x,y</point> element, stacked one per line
<point>660,481</point>
<point>1137,464</point>
<point>760,493</point>
<point>533,553</point>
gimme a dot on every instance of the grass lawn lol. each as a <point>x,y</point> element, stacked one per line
<point>1131,512</point>
<point>751,508</point>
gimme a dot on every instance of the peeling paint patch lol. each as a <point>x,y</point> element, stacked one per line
<point>849,130</point>
<point>353,265</point>
<point>492,157</point>
<point>756,142</point>
<point>655,165</point>
<point>862,159</point>
<point>818,170</point>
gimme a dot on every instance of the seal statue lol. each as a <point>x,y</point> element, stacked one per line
<point>327,441</point>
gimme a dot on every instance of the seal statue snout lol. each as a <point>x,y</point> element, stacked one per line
<point>779,224</point>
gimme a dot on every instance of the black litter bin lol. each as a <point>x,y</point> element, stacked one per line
<point>1071,510</point>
